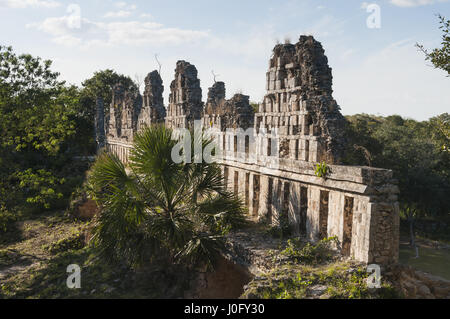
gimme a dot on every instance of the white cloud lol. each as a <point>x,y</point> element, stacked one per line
<point>326,26</point>
<point>124,5</point>
<point>138,33</point>
<point>67,40</point>
<point>146,15</point>
<point>347,54</point>
<point>21,4</point>
<point>117,14</point>
<point>133,33</point>
<point>414,3</point>
<point>125,10</point>
<point>62,26</point>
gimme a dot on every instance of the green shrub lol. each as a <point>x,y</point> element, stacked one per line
<point>322,170</point>
<point>40,187</point>
<point>6,218</point>
<point>310,253</point>
<point>73,242</point>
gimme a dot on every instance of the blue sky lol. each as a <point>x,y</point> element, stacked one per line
<point>376,70</point>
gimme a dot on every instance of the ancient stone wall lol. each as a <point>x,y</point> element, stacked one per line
<point>129,112</point>
<point>272,166</point>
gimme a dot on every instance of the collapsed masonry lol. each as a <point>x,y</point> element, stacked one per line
<point>298,124</point>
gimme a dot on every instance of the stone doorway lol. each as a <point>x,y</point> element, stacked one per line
<point>348,226</point>
<point>303,209</point>
<point>323,214</point>
<point>256,192</point>
<point>269,201</point>
<point>247,188</point>
<point>284,218</point>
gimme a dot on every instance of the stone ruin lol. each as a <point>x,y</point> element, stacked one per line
<point>297,125</point>
<point>185,99</point>
<point>153,111</point>
<point>222,114</point>
<point>299,102</point>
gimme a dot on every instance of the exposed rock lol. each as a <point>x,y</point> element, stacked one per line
<point>85,209</point>
<point>415,284</point>
<point>226,281</point>
<point>317,290</point>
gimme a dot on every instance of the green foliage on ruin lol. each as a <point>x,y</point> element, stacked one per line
<point>255,106</point>
<point>322,170</point>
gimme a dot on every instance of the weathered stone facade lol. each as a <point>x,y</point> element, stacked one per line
<point>153,110</point>
<point>299,102</point>
<point>226,114</point>
<point>272,166</point>
<point>185,100</point>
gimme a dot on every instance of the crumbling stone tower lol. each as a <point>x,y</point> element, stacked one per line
<point>235,113</point>
<point>153,110</point>
<point>124,111</point>
<point>185,100</point>
<point>299,103</point>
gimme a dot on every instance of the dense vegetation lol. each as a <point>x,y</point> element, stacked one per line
<point>39,135</point>
<point>45,126</point>
<point>417,152</point>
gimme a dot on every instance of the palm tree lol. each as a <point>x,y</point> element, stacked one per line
<point>157,209</point>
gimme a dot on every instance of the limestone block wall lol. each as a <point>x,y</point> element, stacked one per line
<point>345,205</point>
<point>314,207</point>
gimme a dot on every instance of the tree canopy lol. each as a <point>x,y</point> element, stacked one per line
<point>440,57</point>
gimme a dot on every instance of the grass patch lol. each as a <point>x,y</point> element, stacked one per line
<point>35,266</point>
<point>309,253</point>
<point>333,281</point>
